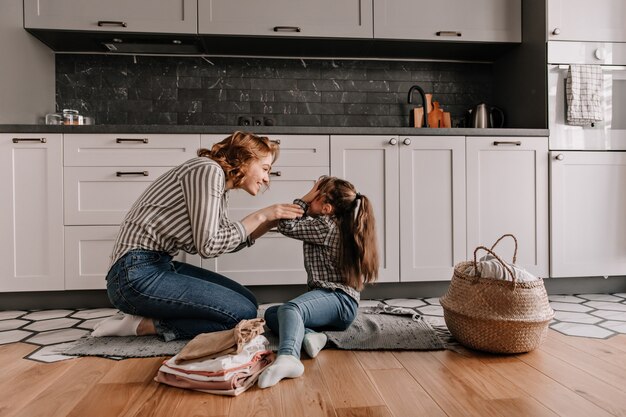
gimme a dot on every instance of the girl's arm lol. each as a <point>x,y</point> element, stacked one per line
<point>308,229</point>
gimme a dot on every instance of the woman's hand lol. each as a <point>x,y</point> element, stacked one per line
<point>262,220</point>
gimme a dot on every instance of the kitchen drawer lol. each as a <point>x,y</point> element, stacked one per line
<point>284,188</point>
<point>87,256</point>
<point>99,196</point>
<point>295,150</point>
<point>129,149</point>
<point>273,260</point>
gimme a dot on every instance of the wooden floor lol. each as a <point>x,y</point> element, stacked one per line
<point>567,376</point>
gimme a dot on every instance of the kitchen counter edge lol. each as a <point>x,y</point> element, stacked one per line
<point>269,130</point>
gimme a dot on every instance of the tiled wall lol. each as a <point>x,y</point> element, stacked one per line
<point>293,92</point>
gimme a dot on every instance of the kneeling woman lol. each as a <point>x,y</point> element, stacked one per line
<point>186,210</point>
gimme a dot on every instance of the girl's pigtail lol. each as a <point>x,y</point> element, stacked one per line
<point>366,244</point>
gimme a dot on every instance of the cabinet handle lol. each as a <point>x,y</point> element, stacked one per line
<point>122,140</point>
<point>559,157</point>
<point>276,173</point>
<point>111,23</point>
<point>132,173</point>
<point>276,141</point>
<point>407,141</point>
<point>274,230</point>
<point>38,140</point>
<point>393,141</point>
<point>448,33</point>
<point>507,142</point>
<point>287,29</point>
<point>556,31</point>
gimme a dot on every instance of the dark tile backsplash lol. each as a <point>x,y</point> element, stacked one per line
<point>291,92</point>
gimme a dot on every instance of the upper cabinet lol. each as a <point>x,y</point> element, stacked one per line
<point>165,16</point>
<point>322,18</point>
<point>449,20</point>
<point>581,20</point>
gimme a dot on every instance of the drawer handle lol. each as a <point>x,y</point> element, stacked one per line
<point>111,23</point>
<point>122,140</point>
<point>276,173</point>
<point>287,29</point>
<point>38,140</point>
<point>276,141</point>
<point>448,33</point>
<point>131,173</point>
<point>508,142</point>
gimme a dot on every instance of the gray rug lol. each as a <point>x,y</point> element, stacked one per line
<point>378,328</point>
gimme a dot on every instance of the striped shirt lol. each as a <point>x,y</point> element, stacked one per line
<point>184,209</point>
<point>321,244</point>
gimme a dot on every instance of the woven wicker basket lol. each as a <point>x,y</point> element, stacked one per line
<point>495,315</point>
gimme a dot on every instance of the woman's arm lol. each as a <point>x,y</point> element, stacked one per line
<point>260,221</point>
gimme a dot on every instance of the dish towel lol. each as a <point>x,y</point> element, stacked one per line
<point>583,92</point>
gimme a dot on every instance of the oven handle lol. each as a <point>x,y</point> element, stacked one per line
<point>604,67</point>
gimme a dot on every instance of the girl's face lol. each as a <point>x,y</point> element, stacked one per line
<point>319,207</point>
<point>257,175</point>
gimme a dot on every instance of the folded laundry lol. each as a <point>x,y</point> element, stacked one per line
<point>217,375</point>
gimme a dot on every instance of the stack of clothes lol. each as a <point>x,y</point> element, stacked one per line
<point>227,362</point>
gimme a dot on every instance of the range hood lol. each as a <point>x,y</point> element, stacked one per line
<point>172,44</point>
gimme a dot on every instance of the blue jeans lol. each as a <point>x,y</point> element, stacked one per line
<point>318,309</point>
<point>183,300</point>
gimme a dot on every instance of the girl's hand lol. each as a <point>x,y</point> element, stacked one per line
<point>313,193</point>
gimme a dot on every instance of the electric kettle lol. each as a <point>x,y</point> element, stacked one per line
<point>482,116</point>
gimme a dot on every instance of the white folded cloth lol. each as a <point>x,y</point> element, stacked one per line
<point>489,267</point>
<point>583,92</point>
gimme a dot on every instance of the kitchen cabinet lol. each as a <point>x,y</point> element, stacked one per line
<point>301,18</point>
<point>580,20</point>
<point>449,20</point>
<point>416,186</point>
<point>147,16</point>
<point>507,192</point>
<point>587,222</point>
<point>31,172</point>
<point>274,259</point>
<point>104,176</point>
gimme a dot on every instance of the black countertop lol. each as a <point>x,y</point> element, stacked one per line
<point>270,130</point>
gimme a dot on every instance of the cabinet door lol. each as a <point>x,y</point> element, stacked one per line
<point>587,206</point>
<point>322,18</point>
<point>581,20</point>
<point>432,207</point>
<point>165,16</point>
<point>31,183</point>
<point>371,164</point>
<point>103,195</point>
<point>507,192</point>
<point>449,20</point>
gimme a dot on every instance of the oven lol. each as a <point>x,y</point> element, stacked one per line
<point>608,134</point>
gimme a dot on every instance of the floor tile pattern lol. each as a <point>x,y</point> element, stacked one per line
<point>584,315</point>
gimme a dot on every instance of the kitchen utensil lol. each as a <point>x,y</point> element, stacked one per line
<point>482,116</point>
<point>54,119</point>
<point>435,117</point>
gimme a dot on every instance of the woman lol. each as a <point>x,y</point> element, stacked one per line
<point>186,209</point>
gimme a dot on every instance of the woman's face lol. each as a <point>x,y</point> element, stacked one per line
<point>257,175</point>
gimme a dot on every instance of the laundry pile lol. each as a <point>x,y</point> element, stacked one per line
<point>226,363</point>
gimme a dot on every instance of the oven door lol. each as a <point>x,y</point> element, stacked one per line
<point>609,134</point>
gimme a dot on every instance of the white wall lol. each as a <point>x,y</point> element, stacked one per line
<point>26,70</point>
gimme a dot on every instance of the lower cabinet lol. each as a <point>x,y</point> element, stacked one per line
<point>31,184</point>
<point>437,198</point>
<point>587,220</point>
<point>507,192</point>
<point>417,188</point>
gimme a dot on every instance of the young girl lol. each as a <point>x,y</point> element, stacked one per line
<point>340,257</point>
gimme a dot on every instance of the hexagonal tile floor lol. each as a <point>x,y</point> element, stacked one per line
<point>584,315</point>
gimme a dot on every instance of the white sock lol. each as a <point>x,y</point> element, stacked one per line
<point>117,325</point>
<point>313,343</point>
<point>285,366</point>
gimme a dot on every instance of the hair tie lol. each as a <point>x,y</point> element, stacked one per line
<point>357,205</point>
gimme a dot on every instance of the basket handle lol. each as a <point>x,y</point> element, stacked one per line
<point>504,265</point>
<point>514,240</point>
